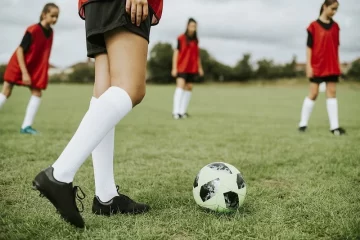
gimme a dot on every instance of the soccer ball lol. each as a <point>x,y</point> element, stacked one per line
<point>219,187</point>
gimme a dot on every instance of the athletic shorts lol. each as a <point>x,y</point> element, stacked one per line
<point>104,16</point>
<point>189,77</point>
<point>333,78</point>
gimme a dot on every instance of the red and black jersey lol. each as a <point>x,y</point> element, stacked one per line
<point>155,5</point>
<point>189,52</point>
<point>37,43</point>
<point>324,40</point>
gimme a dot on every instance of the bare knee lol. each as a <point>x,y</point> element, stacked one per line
<point>36,92</point>
<point>313,95</point>
<point>7,90</point>
<point>331,91</point>
<point>180,83</point>
<point>137,97</point>
<point>189,86</point>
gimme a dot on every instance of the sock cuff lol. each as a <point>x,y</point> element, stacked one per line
<point>93,100</point>
<point>116,95</point>
<point>35,98</point>
<point>309,101</point>
<point>331,100</point>
<point>2,96</point>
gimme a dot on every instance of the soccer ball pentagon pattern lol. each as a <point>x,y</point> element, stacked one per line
<point>219,187</point>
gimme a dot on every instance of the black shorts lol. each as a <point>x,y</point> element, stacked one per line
<point>106,15</point>
<point>189,77</point>
<point>333,78</point>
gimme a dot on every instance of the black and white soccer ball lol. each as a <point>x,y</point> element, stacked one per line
<point>219,187</point>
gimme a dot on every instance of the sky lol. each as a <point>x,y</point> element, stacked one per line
<point>228,29</point>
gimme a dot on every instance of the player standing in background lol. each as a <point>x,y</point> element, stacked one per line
<point>29,64</point>
<point>186,66</point>
<point>117,34</point>
<point>323,65</point>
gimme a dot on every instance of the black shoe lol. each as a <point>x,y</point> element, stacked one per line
<point>119,204</point>
<point>185,115</point>
<point>338,132</point>
<point>61,195</point>
<point>176,116</point>
<point>302,129</point>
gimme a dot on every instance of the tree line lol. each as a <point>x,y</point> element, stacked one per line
<point>160,64</point>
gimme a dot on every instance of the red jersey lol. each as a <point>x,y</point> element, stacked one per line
<point>156,6</point>
<point>188,58</point>
<point>36,59</point>
<point>325,49</point>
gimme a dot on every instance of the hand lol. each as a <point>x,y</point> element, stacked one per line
<point>309,71</point>
<point>26,79</point>
<point>201,72</point>
<point>138,10</point>
<point>174,73</point>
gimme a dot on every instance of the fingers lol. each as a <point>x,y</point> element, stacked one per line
<point>128,6</point>
<point>139,13</point>
<point>133,12</point>
<point>145,11</point>
<point>138,10</point>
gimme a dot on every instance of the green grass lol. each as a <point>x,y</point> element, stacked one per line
<point>300,186</point>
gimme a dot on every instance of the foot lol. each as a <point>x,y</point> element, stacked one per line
<point>61,195</point>
<point>29,130</point>
<point>338,131</point>
<point>185,115</point>
<point>302,129</point>
<point>176,116</point>
<point>119,204</point>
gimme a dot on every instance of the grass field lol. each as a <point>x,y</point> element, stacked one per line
<point>300,186</point>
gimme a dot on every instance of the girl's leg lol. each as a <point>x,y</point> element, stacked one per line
<point>178,95</point>
<point>186,99</point>
<point>31,110</point>
<point>5,93</point>
<point>308,105</point>
<point>103,154</point>
<point>332,105</point>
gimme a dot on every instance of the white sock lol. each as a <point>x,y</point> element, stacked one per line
<point>103,163</point>
<point>185,102</point>
<point>179,92</point>
<point>31,111</point>
<point>307,108</point>
<point>103,115</point>
<point>2,99</point>
<point>332,108</point>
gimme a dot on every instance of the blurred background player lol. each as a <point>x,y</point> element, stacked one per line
<point>117,34</point>
<point>186,67</point>
<point>323,65</point>
<point>29,64</point>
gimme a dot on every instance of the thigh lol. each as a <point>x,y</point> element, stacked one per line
<point>180,81</point>
<point>127,53</point>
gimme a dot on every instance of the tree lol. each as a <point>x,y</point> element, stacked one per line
<point>2,72</point>
<point>243,70</point>
<point>160,63</point>
<point>354,71</point>
<point>83,73</point>
<point>289,69</point>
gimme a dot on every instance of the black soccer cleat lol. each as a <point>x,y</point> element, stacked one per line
<point>302,129</point>
<point>176,116</point>
<point>61,195</point>
<point>185,115</point>
<point>119,204</point>
<point>338,131</point>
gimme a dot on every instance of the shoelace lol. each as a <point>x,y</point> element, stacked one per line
<point>79,197</point>
<point>122,195</point>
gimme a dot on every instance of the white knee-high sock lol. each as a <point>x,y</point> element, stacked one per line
<point>332,108</point>
<point>103,163</point>
<point>185,102</point>
<point>31,110</point>
<point>177,100</point>
<point>307,108</point>
<point>105,113</point>
<point>2,99</point>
